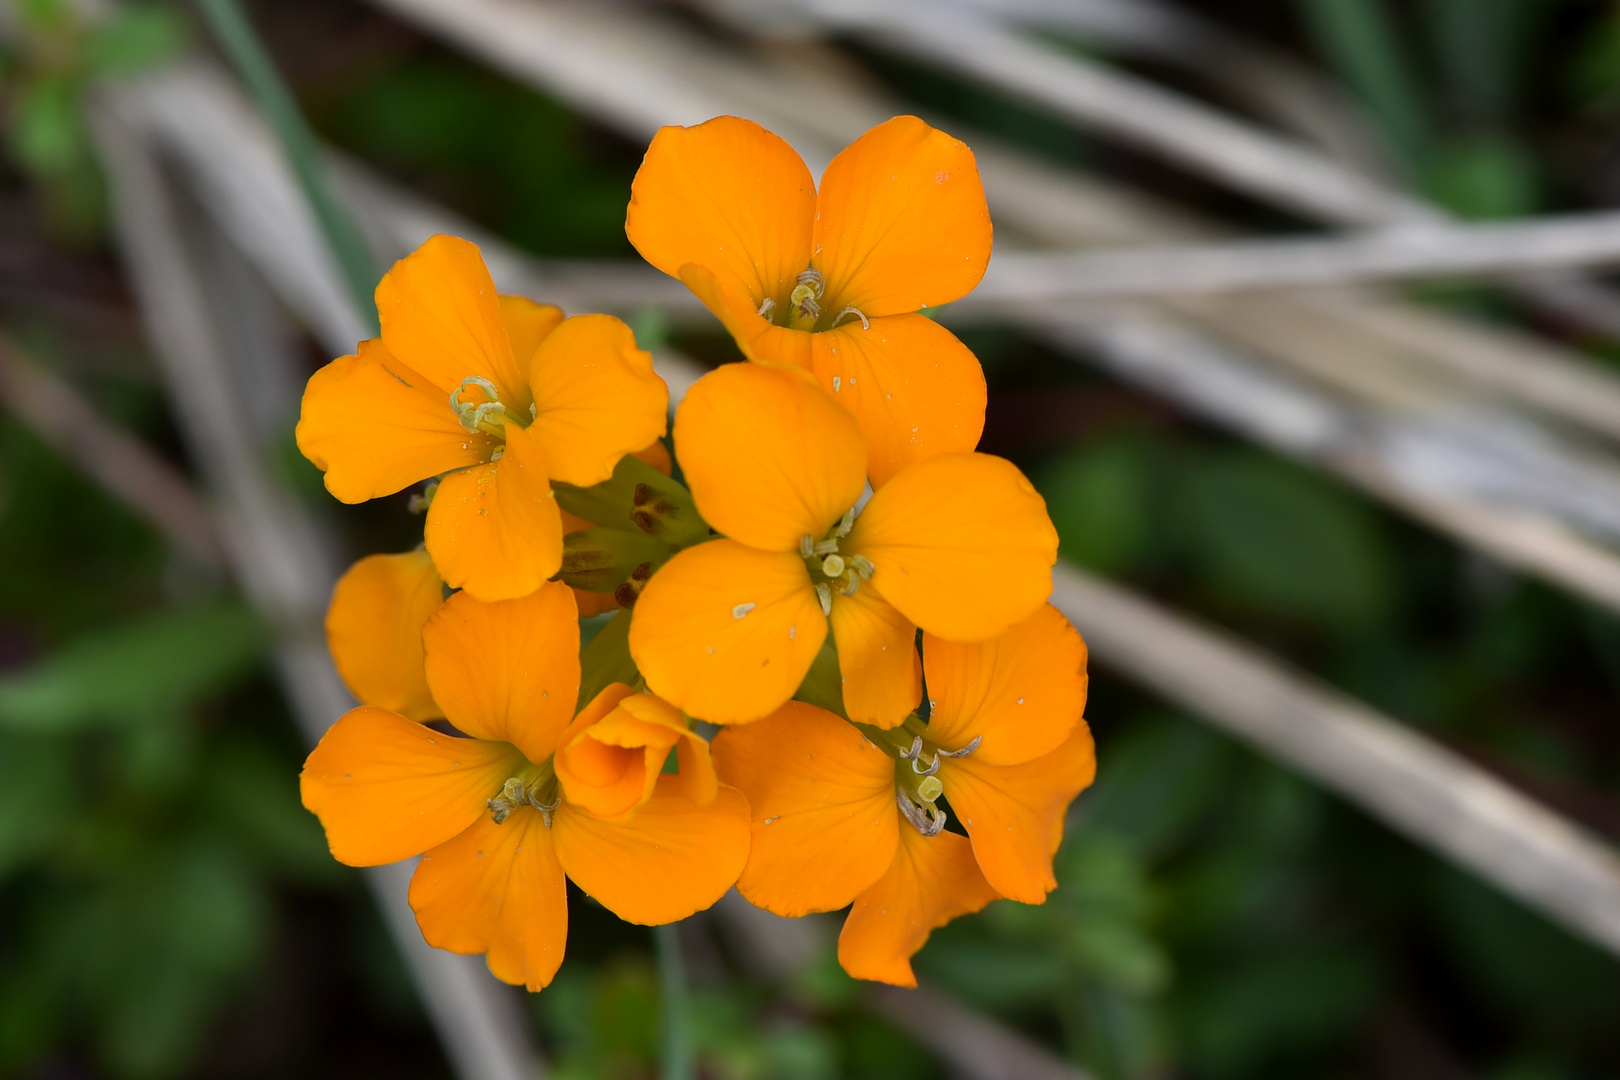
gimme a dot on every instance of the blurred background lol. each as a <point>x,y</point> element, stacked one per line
<point>1305,519</point>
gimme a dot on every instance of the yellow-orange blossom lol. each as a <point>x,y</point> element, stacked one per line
<point>496,394</point>
<point>958,544</point>
<point>830,280</point>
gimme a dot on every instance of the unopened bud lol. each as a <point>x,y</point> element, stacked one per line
<point>600,560</point>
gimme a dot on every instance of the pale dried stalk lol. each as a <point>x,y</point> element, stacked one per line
<point>117,461</point>
<point>1408,781</point>
<point>1413,252</point>
<point>284,564</point>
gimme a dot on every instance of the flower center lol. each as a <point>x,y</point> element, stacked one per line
<point>832,569</point>
<point>916,787</point>
<point>487,417</point>
<point>804,306</point>
<point>536,786</point>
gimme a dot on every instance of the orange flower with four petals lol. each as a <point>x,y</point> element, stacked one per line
<point>843,817</point>
<point>831,280</point>
<point>501,817</point>
<point>958,544</point>
<point>498,396</point>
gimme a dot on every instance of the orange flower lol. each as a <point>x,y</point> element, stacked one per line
<point>498,830</point>
<point>497,395</point>
<point>842,817</point>
<point>958,544</point>
<point>831,281</point>
<point>374,631</point>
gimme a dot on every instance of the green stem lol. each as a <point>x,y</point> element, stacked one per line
<point>236,35</point>
<point>675,1049</point>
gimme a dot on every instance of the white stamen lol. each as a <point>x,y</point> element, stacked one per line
<point>832,565</point>
<point>824,595</point>
<point>855,311</point>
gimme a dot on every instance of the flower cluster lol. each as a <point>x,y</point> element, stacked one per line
<point>753,713</point>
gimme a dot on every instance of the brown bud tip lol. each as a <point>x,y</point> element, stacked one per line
<point>625,594</point>
<point>644,521</point>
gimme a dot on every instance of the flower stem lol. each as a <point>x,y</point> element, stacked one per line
<point>241,43</point>
<point>675,1044</point>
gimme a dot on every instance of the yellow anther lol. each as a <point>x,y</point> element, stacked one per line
<point>803,309</point>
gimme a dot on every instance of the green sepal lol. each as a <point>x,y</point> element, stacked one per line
<point>606,660</point>
<point>600,560</point>
<point>638,496</point>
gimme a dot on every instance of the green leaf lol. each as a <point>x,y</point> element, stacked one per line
<point>146,670</point>
<point>35,779</point>
<point>997,975</point>
<point>1271,537</point>
<point>1485,177</point>
<point>1359,39</point>
<point>1121,955</point>
<point>194,928</point>
<point>135,38</point>
<point>1257,1009</point>
<point>1101,501</point>
<point>47,135</point>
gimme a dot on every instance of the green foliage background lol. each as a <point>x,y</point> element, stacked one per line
<point>167,909</point>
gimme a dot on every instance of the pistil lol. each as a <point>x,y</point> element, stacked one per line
<point>536,786</point>
<point>487,417</point>
<point>804,306</point>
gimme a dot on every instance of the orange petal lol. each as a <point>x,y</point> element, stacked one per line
<point>527,325</point>
<point>877,656</point>
<point>769,457</point>
<point>901,223</point>
<point>728,195</point>
<point>656,454</point>
<point>726,633</point>
<point>1021,693</point>
<point>608,763</point>
<point>374,631</point>
<point>386,788</point>
<point>961,543</point>
<point>497,889</point>
<point>915,390</point>
<point>695,779</point>
<point>508,670</point>
<point>822,808</point>
<point>931,881</point>
<point>442,317</point>
<point>670,860</point>
<point>594,603</point>
<point>495,529</point>
<point>375,427</point>
<point>596,397</point>
<point>758,338</point>
<point>1014,814</point>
